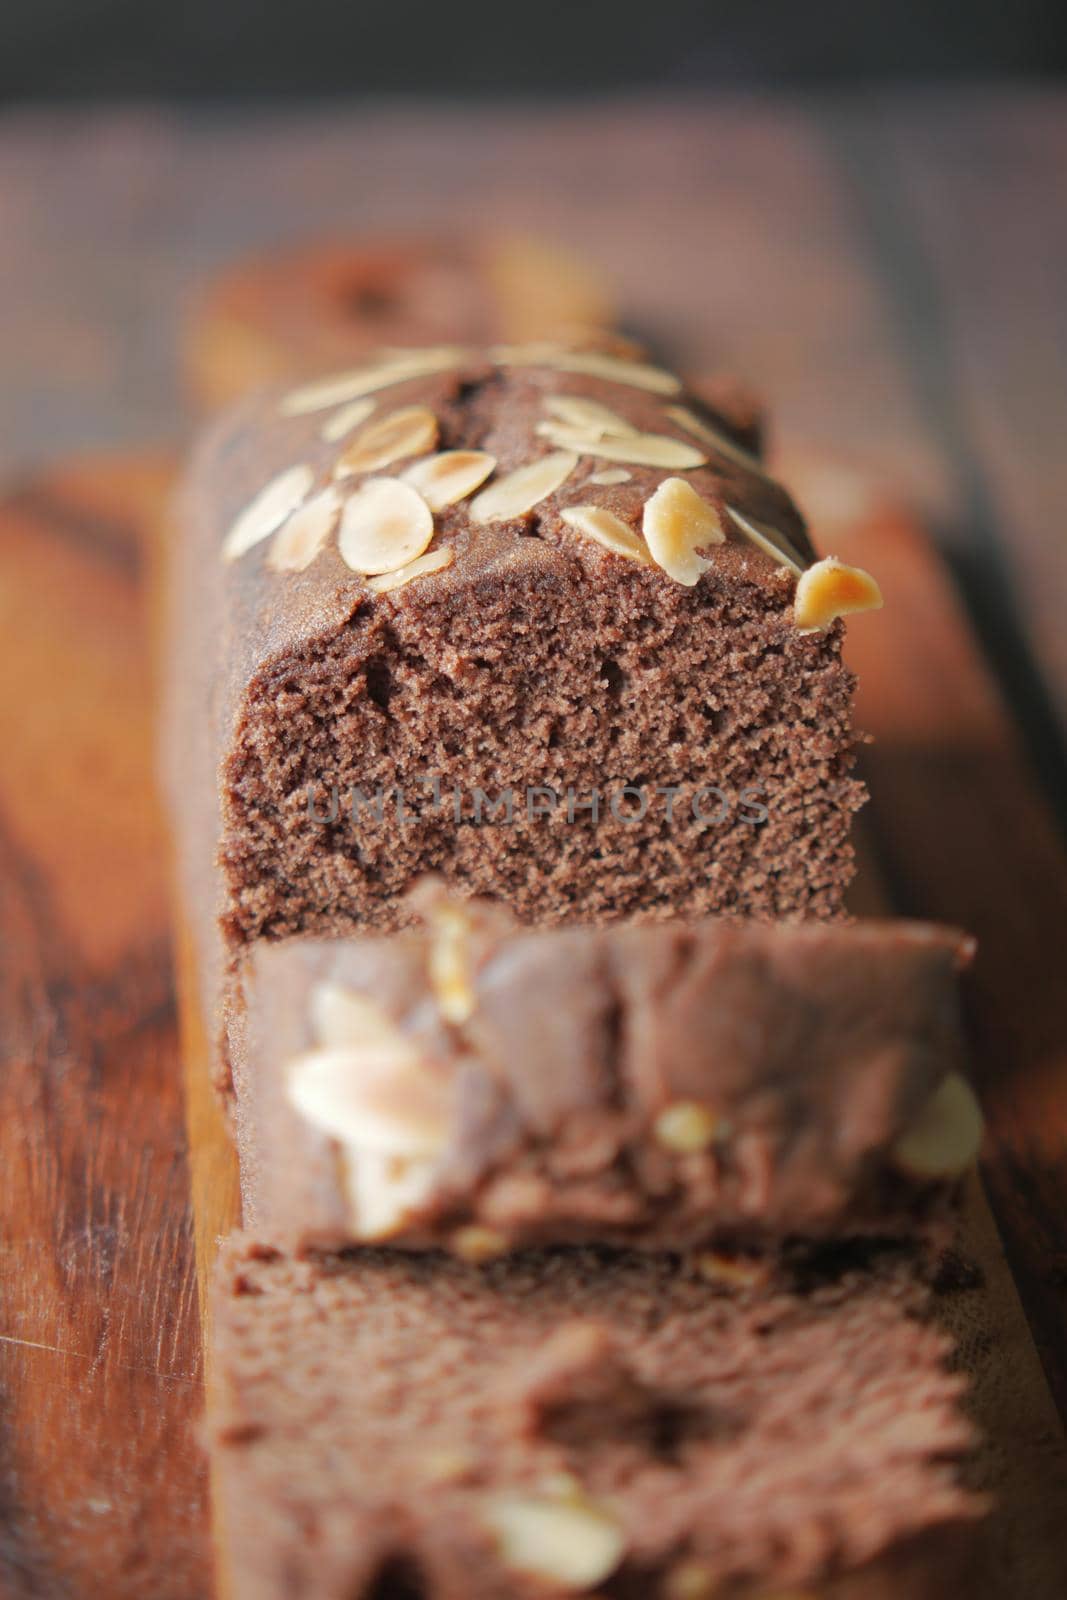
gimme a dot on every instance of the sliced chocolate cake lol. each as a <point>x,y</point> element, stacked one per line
<point>394,1425</point>
<point>477,1085</point>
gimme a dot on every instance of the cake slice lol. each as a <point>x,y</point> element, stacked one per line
<point>533,618</point>
<point>409,1426</point>
<point>476,1085</point>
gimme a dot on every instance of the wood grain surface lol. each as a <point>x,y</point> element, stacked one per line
<point>962,835</point>
<point>102,1487</point>
<point>917,356</point>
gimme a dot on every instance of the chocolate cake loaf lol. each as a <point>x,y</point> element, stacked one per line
<point>477,1086</point>
<point>536,620</point>
<point>393,1425</point>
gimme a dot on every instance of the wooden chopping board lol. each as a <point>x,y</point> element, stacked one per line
<point>113,1195</point>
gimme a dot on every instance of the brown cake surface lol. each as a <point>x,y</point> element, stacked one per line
<point>538,663</point>
<point>477,1086</point>
<point>392,1425</point>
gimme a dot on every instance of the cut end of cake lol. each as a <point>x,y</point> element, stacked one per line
<point>556,1422</point>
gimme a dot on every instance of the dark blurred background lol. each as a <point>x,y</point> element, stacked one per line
<point>87,48</point>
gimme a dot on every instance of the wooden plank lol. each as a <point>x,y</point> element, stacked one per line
<point>100,1481</point>
<point>985,183</point>
<point>964,836</point>
<point>101,1484</point>
<point>958,201</point>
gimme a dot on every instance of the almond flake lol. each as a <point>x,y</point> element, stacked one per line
<point>450,962</point>
<point>369,1088</point>
<point>407,432</point>
<point>594,363</point>
<point>946,1136</point>
<point>421,567</point>
<point>384,526</point>
<point>638,374</point>
<point>732,1271</point>
<point>596,522</point>
<point>643,449</point>
<point>345,419</point>
<point>610,475</point>
<point>589,415</point>
<point>265,514</point>
<point>829,590</point>
<point>676,524</point>
<point>692,1580</point>
<point>341,1017</point>
<point>477,1245</point>
<point>769,540</point>
<point>571,1542</point>
<point>519,491</point>
<point>384,1191</point>
<point>396,367</point>
<point>687,1127</point>
<point>298,541</point>
<point>453,475</point>
<point>707,434</point>
<point>377,1096</point>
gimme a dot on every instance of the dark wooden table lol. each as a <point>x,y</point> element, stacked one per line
<point>890,272</point>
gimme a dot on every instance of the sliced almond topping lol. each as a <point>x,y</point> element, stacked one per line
<point>947,1135</point>
<point>710,435</point>
<point>643,449</point>
<point>607,529</point>
<point>829,590</point>
<point>589,415</point>
<point>676,524</point>
<point>450,962</point>
<point>344,419</point>
<point>397,366</point>
<point>369,1087</point>
<point>447,1465</point>
<point>637,374</point>
<point>265,514</point>
<point>298,541</point>
<point>769,540</point>
<point>735,1272</point>
<point>687,1127</point>
<point>574,1543</point>
<point>384,1191</point>
<point>384,526</point>
<point>692,1580</point>
<point>443,479</point>
<point>477,1245</point>
<point>342,1017</point>
<point>390,1113</point>
<point>537,354</point>
<point>610,475</point>
<point>519,491</point>
<point>379,1096</point>
<point>421,567</point>
<point>407,432</point>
